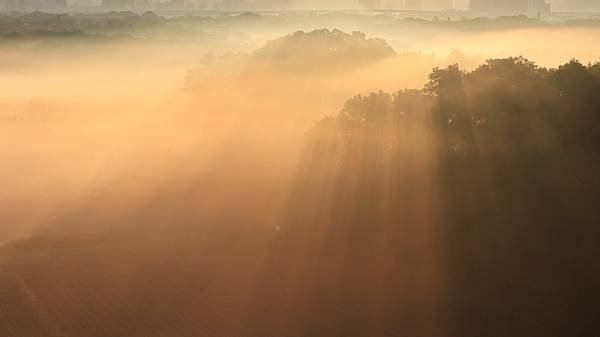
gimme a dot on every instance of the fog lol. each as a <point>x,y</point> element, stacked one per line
<point>143,138</point>
<point>80,114</point>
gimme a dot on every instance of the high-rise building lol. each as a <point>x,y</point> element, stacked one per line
<point>442,5</point>
<point>499,7</point>
<point>583,5</point>
<point>370,4</point>
<point>118,4</point>
<point>510,7</point>
<point>539,7</point>
<point>55,6</point>
<point>395,4</point>
<point>413,5</point>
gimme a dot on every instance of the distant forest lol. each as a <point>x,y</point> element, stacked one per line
<point>150,25</point>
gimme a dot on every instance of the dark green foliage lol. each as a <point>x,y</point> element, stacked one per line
<point>504,105</point>
<point>321,50</point>
<point>503,163</point>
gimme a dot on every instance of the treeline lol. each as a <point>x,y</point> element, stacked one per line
<point>150,24</point>
<point>327,50</point>
<point>492,172</point>
<point>506,106</point>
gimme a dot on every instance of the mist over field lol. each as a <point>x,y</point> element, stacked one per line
<point>298,175</point>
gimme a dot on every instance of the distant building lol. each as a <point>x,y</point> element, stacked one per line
<point>583,5</point>
<point>510,7</point>
<point>396,4</point>
<point>413,5</point>
<point>442,5</point>
<point>57,6</point>
<point>558,5</point>
<point>369,4</point>
<point>499,7</point>
<point>539,7</point>
<point>118,5</point>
